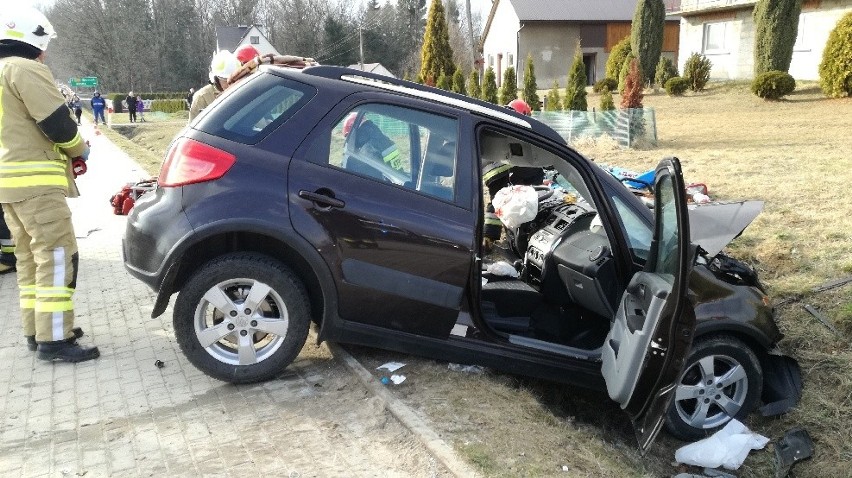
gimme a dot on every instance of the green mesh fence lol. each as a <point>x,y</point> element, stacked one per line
<point>630,127</point>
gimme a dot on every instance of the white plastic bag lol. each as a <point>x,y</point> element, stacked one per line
<point>502,269</point>
<point>515,205</point>
<point>727,447</point>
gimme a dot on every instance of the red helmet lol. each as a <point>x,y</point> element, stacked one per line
<point>349,122</point>
<point>521,107</point>
<point>246,53</point>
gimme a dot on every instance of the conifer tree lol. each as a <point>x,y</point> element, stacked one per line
<point>575,89</point>
<point>553,102</point>
<point>509,90</point>
<point>776,25</point>
<point>607,103</point>
<point>445,82</point>
<point>530,92</point>
<point>489,86</point>
<point>632,96</point>
<point>436,55</point>
<point>473,88</point>
<point>646,35</point>
<point>458,82</point>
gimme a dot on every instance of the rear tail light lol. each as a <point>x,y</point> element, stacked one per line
<point>189,161</point>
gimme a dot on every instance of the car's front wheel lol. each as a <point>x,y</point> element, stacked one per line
<point>722,380</point>
<point>242,318</point>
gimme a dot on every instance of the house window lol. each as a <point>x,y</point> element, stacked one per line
<point>714,37</point>
<point>802,35</point>
<point>255,40</point>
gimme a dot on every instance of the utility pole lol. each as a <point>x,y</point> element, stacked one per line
<point>361,44</point>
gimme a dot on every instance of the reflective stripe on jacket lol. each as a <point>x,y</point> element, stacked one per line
<point>32,111</point>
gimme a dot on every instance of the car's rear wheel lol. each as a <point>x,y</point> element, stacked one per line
<point>242,318</point>
<point>722,380</point>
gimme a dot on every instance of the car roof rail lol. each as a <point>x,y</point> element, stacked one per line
<point>415,89</point>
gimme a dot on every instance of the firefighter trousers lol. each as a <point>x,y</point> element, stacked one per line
<point>7,246</point>
<point>47,264</point>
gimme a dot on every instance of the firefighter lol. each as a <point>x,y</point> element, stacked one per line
<point>7,247</point>
<point>222,66</point>
<point>39,138</point>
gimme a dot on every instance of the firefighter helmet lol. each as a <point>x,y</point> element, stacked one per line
<point>246,53</point>
<point>521,107</point>
<point>224,63</point>
<point>27,25</point>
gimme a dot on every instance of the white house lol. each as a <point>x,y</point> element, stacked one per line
<point>549,30</point>
<point>231,38</point>
<point>724,31</point>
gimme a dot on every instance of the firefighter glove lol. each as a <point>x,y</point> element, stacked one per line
<point>78,165</point>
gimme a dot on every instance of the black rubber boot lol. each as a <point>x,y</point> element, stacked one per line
<point>66,351</point>
<point>33,345</point>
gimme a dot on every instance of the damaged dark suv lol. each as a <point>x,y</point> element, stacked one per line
<point>356,201</point>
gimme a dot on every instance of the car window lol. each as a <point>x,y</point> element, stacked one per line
<point>255,109</point>
<point>402,146</point>
<point>638,232</point>
<point>667,247</point>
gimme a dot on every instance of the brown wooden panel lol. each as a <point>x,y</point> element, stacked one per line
<point>671,36</point>
<point>615,32</point>
<point>810,5</point>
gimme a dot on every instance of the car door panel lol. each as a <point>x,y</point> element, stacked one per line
<point>645,349</point>
<point>401,257</point>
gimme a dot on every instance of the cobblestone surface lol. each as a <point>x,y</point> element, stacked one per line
<point>121,415</point>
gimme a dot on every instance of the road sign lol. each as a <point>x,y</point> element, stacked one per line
<point>89,81</point>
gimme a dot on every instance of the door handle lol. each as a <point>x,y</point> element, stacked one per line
<point>321,199</point>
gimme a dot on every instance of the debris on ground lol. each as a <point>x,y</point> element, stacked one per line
<point>727,448</point>
<point>822,319</point>
<point>456,367</point>
<point>391,366</point>
<point>795,446</point>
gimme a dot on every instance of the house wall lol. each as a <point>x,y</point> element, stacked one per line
<point>552,48</point>
<point>816,22</point>
<point>735,59</point>
<point>501,44</point>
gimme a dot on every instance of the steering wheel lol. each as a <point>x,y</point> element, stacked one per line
<point>544,192</point>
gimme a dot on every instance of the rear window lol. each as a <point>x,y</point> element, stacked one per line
<point>255,109</point>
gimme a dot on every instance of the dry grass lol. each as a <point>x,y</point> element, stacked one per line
<point>797,156</point>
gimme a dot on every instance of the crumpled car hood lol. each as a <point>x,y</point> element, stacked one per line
<point>713,225</point>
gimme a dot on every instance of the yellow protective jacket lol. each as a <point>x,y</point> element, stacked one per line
<point>37,133</point>
<point>201,99</point>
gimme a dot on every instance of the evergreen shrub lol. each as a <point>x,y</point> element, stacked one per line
<point>835,69</point>
<point>696,70</point>
<point>773,85</point>
<point>676,86</point>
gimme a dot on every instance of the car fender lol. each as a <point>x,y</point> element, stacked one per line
<point>729,326</point>
<point>286,236</point>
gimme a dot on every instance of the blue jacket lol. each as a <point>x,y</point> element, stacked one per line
<point>98,103</point>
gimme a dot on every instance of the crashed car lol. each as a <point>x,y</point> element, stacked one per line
<point>356,201</point>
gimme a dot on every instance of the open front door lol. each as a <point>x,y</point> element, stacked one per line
<point>646,347</point>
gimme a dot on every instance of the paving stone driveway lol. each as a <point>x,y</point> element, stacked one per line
<point>121,415</point>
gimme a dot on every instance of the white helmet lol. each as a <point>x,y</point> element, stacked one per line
<point>224,63</point>
<point>27,25</point>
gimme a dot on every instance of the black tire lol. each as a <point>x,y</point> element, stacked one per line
<point>250,345</point>
<point>736,382</point>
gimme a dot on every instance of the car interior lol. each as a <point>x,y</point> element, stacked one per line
<point>565,292</point>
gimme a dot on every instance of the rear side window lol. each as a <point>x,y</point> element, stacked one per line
<point>256,109</point>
